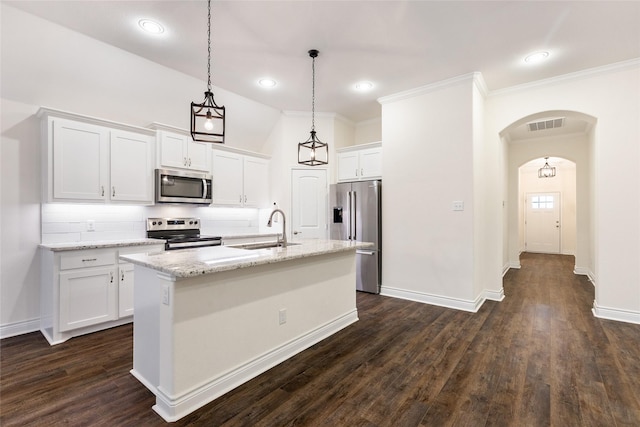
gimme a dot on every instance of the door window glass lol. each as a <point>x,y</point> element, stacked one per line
<point>542,202</point>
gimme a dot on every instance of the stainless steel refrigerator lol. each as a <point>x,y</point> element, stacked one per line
<point>356,215</point>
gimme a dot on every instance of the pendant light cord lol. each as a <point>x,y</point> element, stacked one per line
<point>209,50</point>
<point>313,94</point>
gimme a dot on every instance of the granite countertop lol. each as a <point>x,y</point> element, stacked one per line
<point>250,235</point>
<point>99,244</point>
<point>196,262</point>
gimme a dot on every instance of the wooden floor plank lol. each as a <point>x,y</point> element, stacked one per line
<point>537,358</point>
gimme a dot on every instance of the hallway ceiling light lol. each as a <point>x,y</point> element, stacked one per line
<point>207,119</point>
<point>151,27</point>
<point>313,152</point>
<point>364,86</point>
<point>546,171</point>
<point>536,57</point>
<point>266,82</point>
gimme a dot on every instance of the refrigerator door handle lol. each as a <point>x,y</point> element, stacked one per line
<point>365,252</point>
<point>353,211</point>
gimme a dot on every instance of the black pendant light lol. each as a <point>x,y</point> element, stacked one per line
<point>207,119</point>
<point>313,152</point>
<point>546,171</point>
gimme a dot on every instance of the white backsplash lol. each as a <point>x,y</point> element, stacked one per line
<point>62,222</point>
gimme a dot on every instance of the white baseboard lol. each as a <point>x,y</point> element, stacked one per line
<point>582,271</point>
<point>608,313</point>
<point>494,295</point>
<point>19,328</point>
<point>442,301</point>
<point>172,408</point>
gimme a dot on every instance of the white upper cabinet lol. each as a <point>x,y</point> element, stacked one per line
<point>360,162</point>
<point>256,182</point>
<point>79,152</point>
<point>240,180</point>
<point>91,160</point>
<point>131,167</point>
<point>227,178</point>
<point>348,166</point>
<point>178,150</point>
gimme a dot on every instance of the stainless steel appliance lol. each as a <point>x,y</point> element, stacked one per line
<point>174,186</point>
<point>180,233</point>
<point>356,215</point>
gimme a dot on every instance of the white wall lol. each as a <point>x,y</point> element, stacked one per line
<point>58,68</point>
<point>611,95</point>
<point>428,248</point>
<point>368,131</point>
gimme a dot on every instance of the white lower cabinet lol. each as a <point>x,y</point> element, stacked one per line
<point>125,289</point>
<point>87,290</point>
<point>87,297</point>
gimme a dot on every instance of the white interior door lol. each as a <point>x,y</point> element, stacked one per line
<point>309,203</point>
<point>542,223</point>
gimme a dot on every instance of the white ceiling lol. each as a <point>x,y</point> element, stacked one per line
<point>397,45</point>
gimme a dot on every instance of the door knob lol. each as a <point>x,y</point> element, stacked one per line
<point>297,232</point>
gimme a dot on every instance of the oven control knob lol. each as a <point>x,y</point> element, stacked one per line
<point>190,222</point>
<point>154,223</point>
<point>159,222</point>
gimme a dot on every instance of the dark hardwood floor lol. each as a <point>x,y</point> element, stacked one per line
<point>538,358</point>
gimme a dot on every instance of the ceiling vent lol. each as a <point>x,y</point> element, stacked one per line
<point>546,124</point>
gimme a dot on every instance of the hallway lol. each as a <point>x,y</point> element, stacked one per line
<point>538,358</point>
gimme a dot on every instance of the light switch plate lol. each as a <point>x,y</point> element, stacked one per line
<point>458,206</point>
<point>91,225</point>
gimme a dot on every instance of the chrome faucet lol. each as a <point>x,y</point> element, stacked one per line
<point>284,227</point>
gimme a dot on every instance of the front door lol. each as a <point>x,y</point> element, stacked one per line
<point>542,223</point>
<point>309,203</point>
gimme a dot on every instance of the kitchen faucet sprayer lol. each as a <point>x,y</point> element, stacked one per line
<point>284,226</point>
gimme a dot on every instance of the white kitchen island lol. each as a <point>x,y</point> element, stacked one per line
<point>207,320</point>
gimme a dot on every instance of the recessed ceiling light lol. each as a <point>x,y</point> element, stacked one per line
<point>364,86</point>
<point>536,57</point>
<point>150,26</point>
<point>266,82</point>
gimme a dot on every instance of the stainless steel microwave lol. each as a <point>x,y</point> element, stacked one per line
<point>183,187</point>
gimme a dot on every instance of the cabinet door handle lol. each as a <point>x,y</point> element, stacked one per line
<point>245,198</point>
<point>184,161</point>
<point>356,171</point>
<point>122,277</point>
<point>111,275</point>
<point>361,172</point>
<point>89,259</point>
<point>240,199</point>
<point>102,190</point>
<point>113,191</point>
<point>189,161</point>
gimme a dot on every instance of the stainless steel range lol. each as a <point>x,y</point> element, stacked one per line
<point>180,233</point>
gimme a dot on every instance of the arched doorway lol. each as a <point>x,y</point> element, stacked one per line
<point>561,134</point>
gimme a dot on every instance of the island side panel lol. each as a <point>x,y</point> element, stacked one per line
<point>147,298</point>
<point>227,324</point>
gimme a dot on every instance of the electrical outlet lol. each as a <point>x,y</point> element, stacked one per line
<point>91,225</point>
<point>282,314</point>
<point>458,206</point>
<point>165,294</point>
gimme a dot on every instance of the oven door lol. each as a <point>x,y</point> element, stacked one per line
<point>184,187</point>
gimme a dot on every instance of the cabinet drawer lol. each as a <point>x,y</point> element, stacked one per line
<point>87,259</point>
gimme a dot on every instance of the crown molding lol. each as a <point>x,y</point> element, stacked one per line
<point>431,87</point>
<point>590,72</point>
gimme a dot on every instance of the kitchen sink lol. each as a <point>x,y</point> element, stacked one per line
<point>262,245</point>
